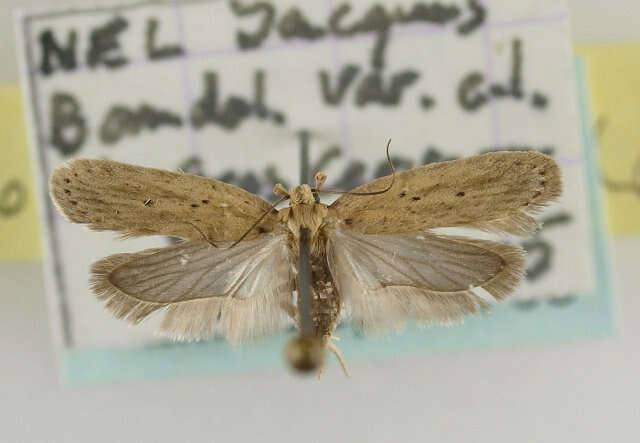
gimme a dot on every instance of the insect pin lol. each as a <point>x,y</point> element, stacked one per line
<point>372,253</point>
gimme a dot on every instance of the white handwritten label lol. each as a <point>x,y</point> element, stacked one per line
<point>231,89</point>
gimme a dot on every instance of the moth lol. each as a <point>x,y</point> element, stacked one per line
<point>246,269</point>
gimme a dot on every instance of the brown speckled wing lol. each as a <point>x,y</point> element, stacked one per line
<point>137,201</point>
<point>497,192</point>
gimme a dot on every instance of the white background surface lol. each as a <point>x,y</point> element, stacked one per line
<point>585,391</point>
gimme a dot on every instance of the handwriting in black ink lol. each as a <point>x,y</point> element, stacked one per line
<point>122,120</point>
<point>155,52</point>
<point>539,250</point>
<point>266,10</point>
<point>630,185</point>
<point>13,197</point>
<point>334,96</point>
<point>235,109</point>
<point>104,45</point>
<point>295,25</point>
<point>104,48</point>
<point>376,20</point>
<point>65,55</point>
<point>69,128</point>
<point>556,301</point>
<point>372,88</point>
<point>68,125</point>
<point>473,93</point>
<point>540,257</point>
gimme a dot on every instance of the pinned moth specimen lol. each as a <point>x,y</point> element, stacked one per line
<point>246,269</point>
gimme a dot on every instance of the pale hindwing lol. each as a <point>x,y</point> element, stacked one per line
<point>248,287</point>
<point>386,279</point>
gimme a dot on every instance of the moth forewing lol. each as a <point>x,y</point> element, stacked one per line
<point>137,201</point>
<point>498,192</point>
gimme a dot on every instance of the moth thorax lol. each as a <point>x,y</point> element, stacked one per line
<point>301,195</point>
<point>305,354</point>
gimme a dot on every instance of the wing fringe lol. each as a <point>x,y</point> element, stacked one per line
<point>521,221</point>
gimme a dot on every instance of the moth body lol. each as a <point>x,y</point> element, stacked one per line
<point>305,213</point>
<point>372,252</point>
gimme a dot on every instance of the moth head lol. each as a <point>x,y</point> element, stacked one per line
<point>302,195</point>
<point>305,354</point>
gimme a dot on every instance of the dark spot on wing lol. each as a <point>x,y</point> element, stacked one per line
<point>206,202</point>
<point>415,199</point>
<point>66,180</point>
<point>348,221</point>
<point>460,194</point>
<point>261,230</point>
<point>66,191</point>
<point>402,194</point>
<point>73,202</point>
<point>194,205</point>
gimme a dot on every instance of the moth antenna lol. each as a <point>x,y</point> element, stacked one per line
<point>387,189</point>
<point>257,222</point>
<point>194,226</point>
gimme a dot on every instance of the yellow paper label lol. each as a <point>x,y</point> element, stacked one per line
<point>19,236</point>
<point>614,87</point>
